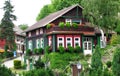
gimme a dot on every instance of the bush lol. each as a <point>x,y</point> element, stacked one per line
<point>61,49</point>
<point>70,49</point>
<point>35,51</point>
<point>28,52</point>
<point>115,39</point>
<point>68,24</point>
<point>40,51</point>
<point>78,49</point>
<point>61,25</point>
<point>108,64</point>
<point>75,25</point>
<point>17,64</point>
<point>39,64</point>
<point>8,54</point>
<point>47,49</point>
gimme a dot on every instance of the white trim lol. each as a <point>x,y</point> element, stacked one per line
<point>78,42</point>
<point>42,42</point>
<point>68,42</point>
<point>50,41</point>
<point>30,44</point>
<point>68,20</point>
<point>37,43</point>
<point>60,41</point>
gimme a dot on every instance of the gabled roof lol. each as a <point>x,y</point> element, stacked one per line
<point>43,22</point>
<point>18,31</point>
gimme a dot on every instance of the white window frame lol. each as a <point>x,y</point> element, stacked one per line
<point>60,41</point>
<point>42,42</point>
<point>70,42</point>
<point>68,20</point>
<point>76,41</point>
<point>37,43</point>
<point>37,32</point>
<point>30,44</point>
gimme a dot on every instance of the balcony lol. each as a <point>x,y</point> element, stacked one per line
<point>80,29</point>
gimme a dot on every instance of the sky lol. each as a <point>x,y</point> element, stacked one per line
<point>25,10</point>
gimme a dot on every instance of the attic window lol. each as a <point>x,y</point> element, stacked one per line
<point>29,34</point>
<point>68,20</point>
<point>78,21</point>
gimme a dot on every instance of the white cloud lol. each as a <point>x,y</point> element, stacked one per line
<point>26,10</point>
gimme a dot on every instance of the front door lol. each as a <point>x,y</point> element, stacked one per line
<point>87,45</point>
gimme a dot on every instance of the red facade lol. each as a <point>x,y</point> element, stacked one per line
<point>2,43</point>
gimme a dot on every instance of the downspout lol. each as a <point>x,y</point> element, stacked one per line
<point>103,38</point>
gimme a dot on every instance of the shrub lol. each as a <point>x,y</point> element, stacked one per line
<point>8,54</point>
<point>115,39</point>
<point>78,49</point>
<point>61,49</point>
<point>35,51</point>
<point>68,24</point>
<point>48,26</point>
<point>47,49</point>
<point>17,64</point>
<point>39,64</point>
<point>70,49</point>
<point>28,52</point>
<point>61,25</point>
<point>40,51</point>
<point>108,64</point>
<point>75,25</point>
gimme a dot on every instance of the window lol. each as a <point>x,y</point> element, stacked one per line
<point>29,34</point>
<point>78,21</point>
<point>42,42</point>
<point>38,43</point>
<point>68,20</point>
<point>49,40</point>
<point>30,44</point>
<point>60,41</point>
<point>76,41</point>
<point>41,31</point>
<point>37,32</point>
<point>68,41</point>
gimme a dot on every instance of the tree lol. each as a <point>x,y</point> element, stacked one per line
<point>23,26</point>
<point>55,5</point>
<point>116,62</point>
<point>102,13</point>
<point>96,63</point>
<point>7,25</point>
<point>5,71</point>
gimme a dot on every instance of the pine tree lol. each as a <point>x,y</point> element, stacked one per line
<point>116,62</point>
<point>7,25</point>
<point>96,63</point>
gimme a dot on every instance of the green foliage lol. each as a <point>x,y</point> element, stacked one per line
<point>61,49</point>
<point>47,49</point>
<point>102,13</point>
<point>60,61</point>
<point>28,52</point>
<point>75,25</point>
<point>46,10</point>
<point>40,51</point>
<point>5,71</point>
<point>96,63</point>
<point>115,39</point>
<point>70,49</point>
<point>8,54</point>
<point>7,25</point>
<point>17,64</point>
<point>68,25</point>
<point>116,62</point>
<point>48,26</point>
<point>35,51</point>
<point>39,72</point>
<point>39,64</point>
<point>78,49</point>
<point>23,26</point>
<point>108,64</point>
<point>61,25</point>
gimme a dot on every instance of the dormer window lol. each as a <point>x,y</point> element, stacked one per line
<point>68,20</point>
<point>37,32</point>
<point>78,21</point>
<point>29,34</point>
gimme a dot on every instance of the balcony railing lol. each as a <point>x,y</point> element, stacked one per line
<point>80,29</point>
